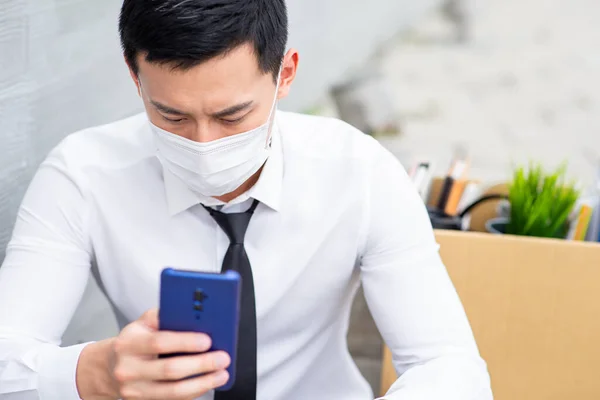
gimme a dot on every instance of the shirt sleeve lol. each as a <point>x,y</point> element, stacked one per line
<point>411,296</point>
<point>42,281</point>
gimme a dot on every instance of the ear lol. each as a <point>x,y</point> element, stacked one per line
<point>135,77</point>
<point>288,73</point>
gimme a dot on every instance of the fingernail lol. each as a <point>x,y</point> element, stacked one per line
<point>222,360</point>
<point>203,342</point>
<point>222,378</point>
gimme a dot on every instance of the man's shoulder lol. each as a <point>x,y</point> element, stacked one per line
<point>325,137</point>
<point>110,145</point>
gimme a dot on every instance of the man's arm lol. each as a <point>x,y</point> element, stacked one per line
<point>411,296</point>
<point>42,281</point>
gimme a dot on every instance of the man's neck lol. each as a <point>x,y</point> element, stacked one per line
<point>226,198</point>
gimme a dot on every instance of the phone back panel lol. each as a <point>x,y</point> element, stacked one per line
<point>203,302</point>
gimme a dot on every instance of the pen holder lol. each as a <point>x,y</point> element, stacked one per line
<point>440,220</point>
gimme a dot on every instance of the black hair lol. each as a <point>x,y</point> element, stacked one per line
<point>185,33</point>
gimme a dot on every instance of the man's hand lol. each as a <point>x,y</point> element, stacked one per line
<point>136,372</point>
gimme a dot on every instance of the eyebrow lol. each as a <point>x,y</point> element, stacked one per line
<point>167,109</point>
<point>232,110</point>
<point>219,114</point>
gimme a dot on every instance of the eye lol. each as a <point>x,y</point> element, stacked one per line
<point>173,121</point>
<point>233,121</point>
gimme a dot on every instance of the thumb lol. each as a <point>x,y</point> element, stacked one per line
<point>150,319</point>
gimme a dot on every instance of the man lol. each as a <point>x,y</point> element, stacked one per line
<point>331,208</point>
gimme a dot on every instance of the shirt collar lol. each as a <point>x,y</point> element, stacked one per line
<point>267,189</point>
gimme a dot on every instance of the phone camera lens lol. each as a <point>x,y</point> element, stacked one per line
<point>199,295</point>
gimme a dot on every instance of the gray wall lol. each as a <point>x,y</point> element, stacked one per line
<point>61,70</point>
<point>335,37</point>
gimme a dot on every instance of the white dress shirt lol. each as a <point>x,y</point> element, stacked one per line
<point>336,209</point>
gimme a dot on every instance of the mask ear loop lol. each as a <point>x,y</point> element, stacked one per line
<point>269,138</point>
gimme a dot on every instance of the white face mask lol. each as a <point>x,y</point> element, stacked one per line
<point>218,167</point>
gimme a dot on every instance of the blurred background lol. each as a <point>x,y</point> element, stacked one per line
<point>507,81</point>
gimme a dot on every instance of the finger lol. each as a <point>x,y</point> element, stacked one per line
<point>176,368</point>
<point>139,340</point>
<point>185,389</point>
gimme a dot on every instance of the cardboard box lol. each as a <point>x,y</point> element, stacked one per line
<point>534,306</point>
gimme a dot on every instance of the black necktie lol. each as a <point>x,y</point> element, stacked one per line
<point>235,225</point>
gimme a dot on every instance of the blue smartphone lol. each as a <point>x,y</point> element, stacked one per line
<point>203,302</point>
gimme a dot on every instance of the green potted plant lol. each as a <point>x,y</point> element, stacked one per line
<point>541,203</point>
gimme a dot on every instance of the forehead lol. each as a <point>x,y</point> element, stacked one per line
<point>234,71</point>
